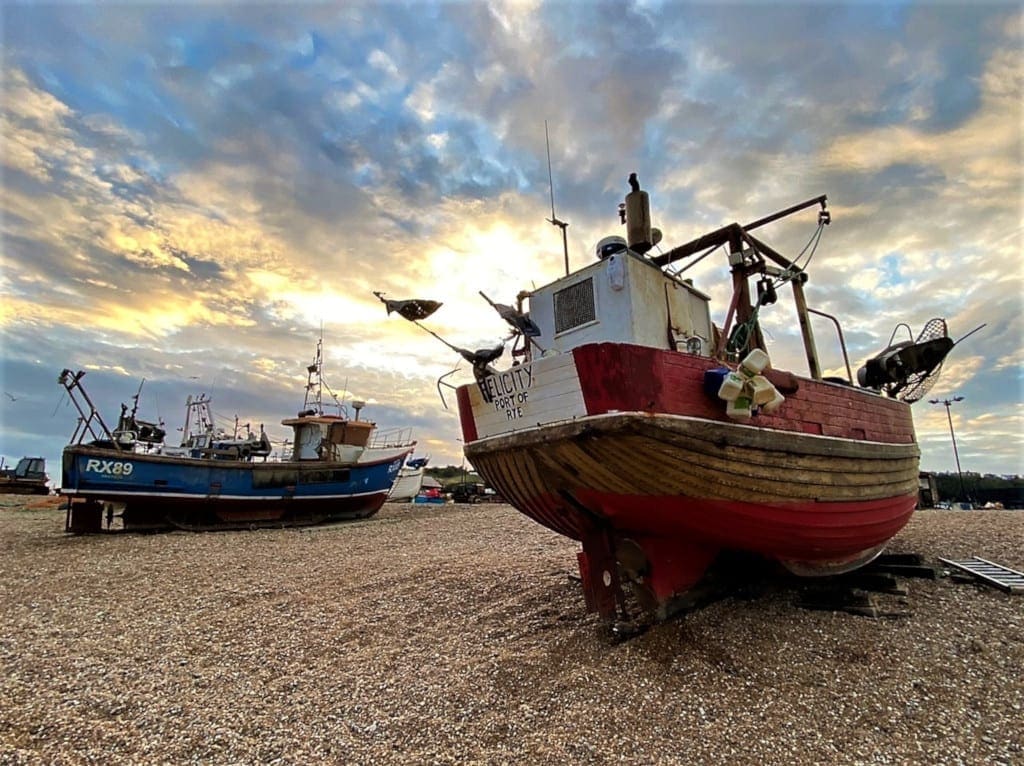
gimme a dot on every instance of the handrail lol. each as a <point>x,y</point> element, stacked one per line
<point>842,340</point>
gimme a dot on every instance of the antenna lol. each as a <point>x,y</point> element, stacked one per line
<point>553,219</point>
<point>135,398</point>
<point>314,380</point>
<point>320,371</point>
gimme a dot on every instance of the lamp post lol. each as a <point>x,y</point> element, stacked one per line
<point>463,480</point>
<point>956,455</point>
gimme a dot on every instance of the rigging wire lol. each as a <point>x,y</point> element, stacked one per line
<point>60,401</point>
<point>696,260</point>
<point>789,273</point>
<point>740,337</point>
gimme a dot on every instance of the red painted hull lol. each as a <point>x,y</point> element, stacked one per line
<point>807,531</point>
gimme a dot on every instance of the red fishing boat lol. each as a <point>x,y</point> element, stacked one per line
<point>630,422</point>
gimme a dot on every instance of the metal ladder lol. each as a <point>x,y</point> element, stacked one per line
<point>1001,577</point>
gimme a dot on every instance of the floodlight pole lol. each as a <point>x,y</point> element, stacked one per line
<point>952,436</point>
<point>463,463</point>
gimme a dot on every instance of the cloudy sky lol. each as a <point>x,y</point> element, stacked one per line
<point>191,191</point>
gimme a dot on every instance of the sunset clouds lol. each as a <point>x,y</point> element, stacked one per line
<point>190,191</point>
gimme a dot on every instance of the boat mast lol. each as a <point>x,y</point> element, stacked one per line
<point>554,219</point>
<point>314,381</point>
<point>72,383</point>
<point>750,262</point>
<point>741,273</point>
<point>199,427</point>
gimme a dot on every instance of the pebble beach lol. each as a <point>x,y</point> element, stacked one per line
<point>457,634</point>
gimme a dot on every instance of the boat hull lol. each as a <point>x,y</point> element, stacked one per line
<point>159,491</point>
<point>654,493</point>
<point>407,485</point>
<point>421,500</point>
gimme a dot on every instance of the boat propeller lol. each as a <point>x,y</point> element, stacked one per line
<point>907,370</point>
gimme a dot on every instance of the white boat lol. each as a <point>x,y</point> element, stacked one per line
<point>409,481</point>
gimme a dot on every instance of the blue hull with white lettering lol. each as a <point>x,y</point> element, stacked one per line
<point>161,491</point>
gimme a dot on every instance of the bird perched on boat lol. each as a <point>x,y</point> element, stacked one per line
<point>483,356</point>
<point>481,359</point>
<point>412,309</point>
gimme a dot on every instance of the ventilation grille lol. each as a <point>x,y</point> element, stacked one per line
<point>574,306</point>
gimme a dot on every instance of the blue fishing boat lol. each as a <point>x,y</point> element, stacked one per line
<point>337,469</point>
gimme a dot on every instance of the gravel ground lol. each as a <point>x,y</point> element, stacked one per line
<point>455,635</point>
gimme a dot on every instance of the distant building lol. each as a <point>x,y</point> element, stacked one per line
<point>927,490</point>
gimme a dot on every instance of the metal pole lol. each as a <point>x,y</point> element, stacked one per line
<point>952,436</point>
<point>554,219</point>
